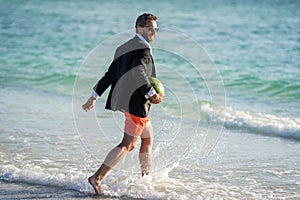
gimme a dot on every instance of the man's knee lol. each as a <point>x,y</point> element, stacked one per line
<point>127,148</point>
<point>131,147</point>
<point>128,143</point>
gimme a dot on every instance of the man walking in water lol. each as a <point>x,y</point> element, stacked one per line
<point>131,93</point>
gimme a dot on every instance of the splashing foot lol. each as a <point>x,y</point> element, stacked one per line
<point>95,185</point>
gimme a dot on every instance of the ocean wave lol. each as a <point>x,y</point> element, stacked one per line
<point>258,123</point>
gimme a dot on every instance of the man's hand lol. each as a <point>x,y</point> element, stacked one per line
<point>156,99</point>
<point>89,105</point>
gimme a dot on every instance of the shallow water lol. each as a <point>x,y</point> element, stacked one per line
<point>229,127</point>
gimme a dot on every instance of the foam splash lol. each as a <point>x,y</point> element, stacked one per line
<point>156,186</point>
<point>259,123</point>
<point>33,174</point>
<point>162,184</point>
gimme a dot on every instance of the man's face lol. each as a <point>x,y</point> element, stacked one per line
<point>148,31</point>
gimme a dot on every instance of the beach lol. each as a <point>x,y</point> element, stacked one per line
<point>229,125</point>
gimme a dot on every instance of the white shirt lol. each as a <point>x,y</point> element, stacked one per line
<point>145,41</point>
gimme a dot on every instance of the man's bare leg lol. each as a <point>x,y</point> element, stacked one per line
<point>145,162</point>
<point>145,150</point>
<point>112,159</point>
<point>96,180</point>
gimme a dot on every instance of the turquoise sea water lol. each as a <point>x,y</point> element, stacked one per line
<point>230,123</point>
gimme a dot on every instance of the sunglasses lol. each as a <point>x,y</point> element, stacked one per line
<point>150,28</point>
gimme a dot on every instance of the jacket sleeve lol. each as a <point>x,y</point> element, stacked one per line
<point>141,70</point>
<point>104,82</point>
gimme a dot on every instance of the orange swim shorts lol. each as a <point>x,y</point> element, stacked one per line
<point>135,125</point>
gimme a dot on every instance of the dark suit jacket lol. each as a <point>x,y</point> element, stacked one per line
<point>128,75</point>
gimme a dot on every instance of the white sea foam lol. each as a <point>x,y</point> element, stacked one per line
<point>156,186</point>
<point>159,185</point>
<point>260,123</point>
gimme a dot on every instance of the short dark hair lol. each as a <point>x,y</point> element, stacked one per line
<point>144,18</point>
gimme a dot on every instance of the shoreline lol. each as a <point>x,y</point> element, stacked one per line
<point>19,190</point>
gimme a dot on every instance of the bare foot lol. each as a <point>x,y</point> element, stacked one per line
<point>95,185</point>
